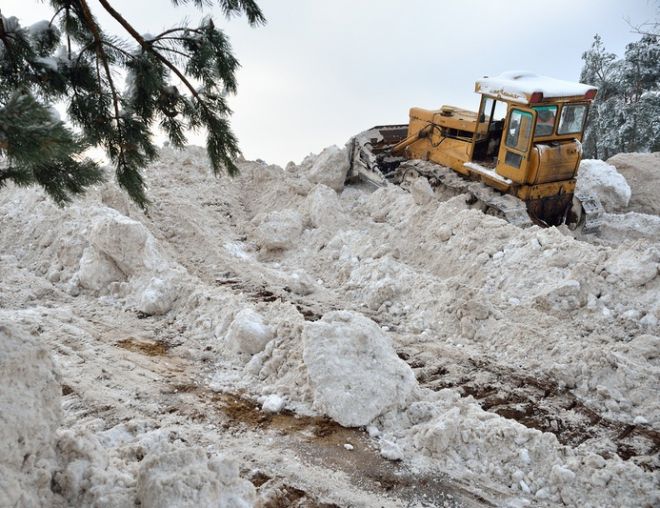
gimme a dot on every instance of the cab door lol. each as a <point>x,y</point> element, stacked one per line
<point>515,148</point>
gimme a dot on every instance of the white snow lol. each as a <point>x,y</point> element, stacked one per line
<point>38,28</point>
<point>518,86</point>
<point>421,191</point>
<point>604,181</point>
<point>323,207</point>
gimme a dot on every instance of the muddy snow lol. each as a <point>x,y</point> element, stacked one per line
<point>279,339</point>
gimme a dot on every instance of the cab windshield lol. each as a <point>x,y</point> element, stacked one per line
<point>545,120</point>
<point>572,119</point>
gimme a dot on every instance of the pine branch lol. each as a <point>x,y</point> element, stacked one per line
<point>35,147</point>
<point>147,46</point>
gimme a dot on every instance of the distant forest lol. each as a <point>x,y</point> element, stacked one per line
<point>625,116</point>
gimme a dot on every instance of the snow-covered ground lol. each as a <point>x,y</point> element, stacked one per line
<point>277,339</point>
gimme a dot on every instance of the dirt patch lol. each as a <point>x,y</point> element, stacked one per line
<point>145,347</point>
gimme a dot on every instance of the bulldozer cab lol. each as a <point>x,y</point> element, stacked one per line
<point>537,142</point>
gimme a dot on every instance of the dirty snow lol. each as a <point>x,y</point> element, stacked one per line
<point>641,171</point>
<point>233,330</point>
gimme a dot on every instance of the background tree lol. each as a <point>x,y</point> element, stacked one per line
<point>625,117</point>
<point>115,91</point>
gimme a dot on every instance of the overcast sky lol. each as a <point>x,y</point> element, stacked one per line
<point>320,71</point>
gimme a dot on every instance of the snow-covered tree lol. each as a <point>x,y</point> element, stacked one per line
<point>625,116</point>
<point>115,91</point>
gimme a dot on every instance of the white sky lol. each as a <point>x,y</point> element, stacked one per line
<point>320,71</point>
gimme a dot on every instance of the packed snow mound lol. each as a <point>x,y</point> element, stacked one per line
<point>248,333</point>
<point>330,168</point>
<point>188,478</point>
<point>642,172</point>
<point>29,417</point>
<point>353,368</point>
<point>278,230</point>
<point>602,180</point>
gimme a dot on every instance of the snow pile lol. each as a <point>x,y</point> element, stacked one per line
<point>283,292</point>
<point>631,225</point>
<point>330,168</point>
<point>355,373</point>
<point>29,416</point>
<point>188,478</point>
<point>279,369</point>
<point>88,475</point>
<point>602,180</point>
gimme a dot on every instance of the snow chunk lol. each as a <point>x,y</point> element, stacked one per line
<point>278,230</point>
<point>633,268</point>
<point>604,181</point>
<point>37,29</point>
<point>272,404</point>
<point>248,333</point>
<point>421,191</point>
<point>127,242</point>
<point>188,478</point>
<point>330,168</point>
<point>97,270</point>
<point>158,296</point>
<point>323,206</point>
<point>29,417</point>
<point>390,450</point>
<point>354,371</point>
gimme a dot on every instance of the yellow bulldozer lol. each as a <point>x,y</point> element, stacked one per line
<point>516,157</point>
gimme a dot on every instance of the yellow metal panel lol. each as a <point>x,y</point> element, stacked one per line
<point>554,163</point>
<point>448,152</point>
<point>529,192</point>
<point>449,117</point>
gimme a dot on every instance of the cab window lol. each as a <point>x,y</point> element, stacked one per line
<point>495,110</point>
<point>545,120</point>
<point>572,119</point>
<point>520,130</point>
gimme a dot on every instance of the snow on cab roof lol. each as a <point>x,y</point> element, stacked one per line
<point>518,86</point>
